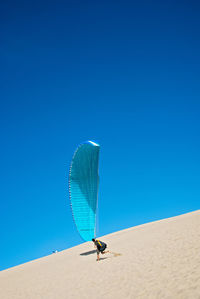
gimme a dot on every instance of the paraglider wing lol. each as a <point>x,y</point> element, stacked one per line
<point>83,188</point>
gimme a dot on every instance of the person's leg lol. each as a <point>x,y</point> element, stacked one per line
<point>98,254</point>
<point>105,252</point>
<point>108,251</point>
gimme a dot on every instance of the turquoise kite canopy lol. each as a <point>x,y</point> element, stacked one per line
<point>83,188</point>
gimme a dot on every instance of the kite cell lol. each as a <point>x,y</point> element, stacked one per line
<point>83,188</point>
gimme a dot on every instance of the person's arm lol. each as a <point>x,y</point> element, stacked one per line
<point>97,256</point>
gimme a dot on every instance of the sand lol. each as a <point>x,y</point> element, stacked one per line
<point>158,260</point>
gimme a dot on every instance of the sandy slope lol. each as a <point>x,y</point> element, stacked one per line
<point>159,260</point>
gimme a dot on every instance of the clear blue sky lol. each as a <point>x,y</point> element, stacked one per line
<point>125,74</point>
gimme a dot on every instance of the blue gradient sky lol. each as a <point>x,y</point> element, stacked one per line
<point>122,73</point>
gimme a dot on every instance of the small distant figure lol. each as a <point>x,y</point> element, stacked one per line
<point>101,246</point>
<point>54,251</point>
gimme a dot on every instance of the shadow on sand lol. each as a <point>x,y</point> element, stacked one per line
<point>103,258</point>
<point>88,252</point>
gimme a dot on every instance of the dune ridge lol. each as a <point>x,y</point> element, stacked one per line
<point>160,259</point>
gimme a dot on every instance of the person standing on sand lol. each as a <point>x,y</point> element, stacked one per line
<point>101,246</point>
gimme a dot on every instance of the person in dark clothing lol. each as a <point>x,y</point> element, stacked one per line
<point>101,246</point>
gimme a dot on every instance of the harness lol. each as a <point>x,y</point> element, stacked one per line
<point>99,243</point>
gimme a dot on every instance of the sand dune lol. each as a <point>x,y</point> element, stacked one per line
<point>159,260</point>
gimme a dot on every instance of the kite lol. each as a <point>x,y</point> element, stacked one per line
<point>83,188</point>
